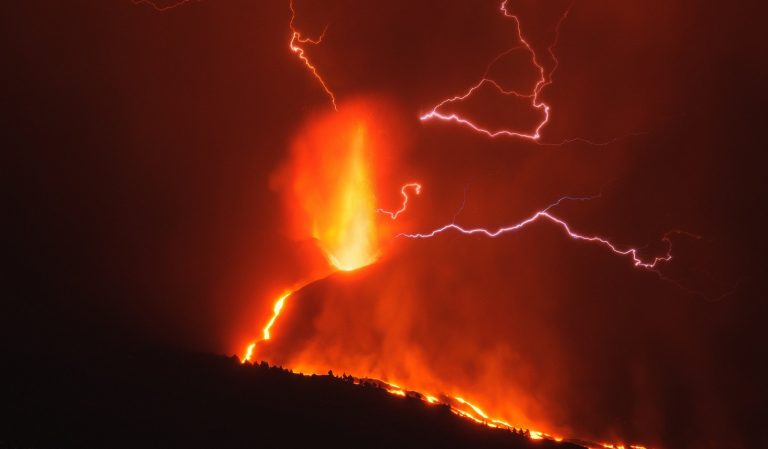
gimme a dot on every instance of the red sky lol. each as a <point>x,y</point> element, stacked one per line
<point>144,147</point>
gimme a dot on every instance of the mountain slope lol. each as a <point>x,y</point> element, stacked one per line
<point>171,399</point>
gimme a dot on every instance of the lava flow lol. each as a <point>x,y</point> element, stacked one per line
<point>265,334</point>
<point>329,188</point>
<point>330,178</point>
<point>458,404</point>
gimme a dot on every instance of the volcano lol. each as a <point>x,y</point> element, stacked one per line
<point>501,221</point>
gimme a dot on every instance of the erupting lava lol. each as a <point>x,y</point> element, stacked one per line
<point>332,185</point>
<point>330,188</point>
<point>329,185</point>
<point>330,177</point>
<point>351,241</point>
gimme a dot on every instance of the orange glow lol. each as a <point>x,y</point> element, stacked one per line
<point>330,177</point>
<point>275,313</point>
<point>329,186</point>
<point>329,183</point>
<point>248,353</point>
<point>536,435</point>
<point>349,238</point>
<point>456,403</point>
<point>621,446</point>
<point>473,407</point>
<point>265,334</point>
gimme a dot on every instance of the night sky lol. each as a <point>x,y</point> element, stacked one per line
<point>143,153</point>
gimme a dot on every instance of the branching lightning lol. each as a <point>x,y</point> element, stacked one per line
<point>416,187</point>
<point>544,79</point>
<point>295,44</point>
<point>545,214</point>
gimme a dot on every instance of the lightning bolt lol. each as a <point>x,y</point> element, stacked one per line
<point>416,187</point>
<point>278,305</point>
<point>295,45</point>
<point>545,214</point>
<point>544,79</point>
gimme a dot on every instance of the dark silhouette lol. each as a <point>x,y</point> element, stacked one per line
<point>175,399</point>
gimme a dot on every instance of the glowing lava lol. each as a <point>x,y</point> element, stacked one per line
<point>461,407</point>
<point>349,240</point>
<point>275,313</point>
<point>248,356</point>
<point>330,187</point>
<point>265,334</point>
<point>329,175</point>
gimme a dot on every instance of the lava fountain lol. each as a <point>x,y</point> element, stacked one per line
<point>328,184</point>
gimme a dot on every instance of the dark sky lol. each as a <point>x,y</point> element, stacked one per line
<point>139,148</point>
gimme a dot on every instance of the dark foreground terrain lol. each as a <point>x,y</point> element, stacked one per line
<point>172,399</point>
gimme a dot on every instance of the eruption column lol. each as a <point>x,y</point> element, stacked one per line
<point>329,182</point>
<point>359,251</point>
